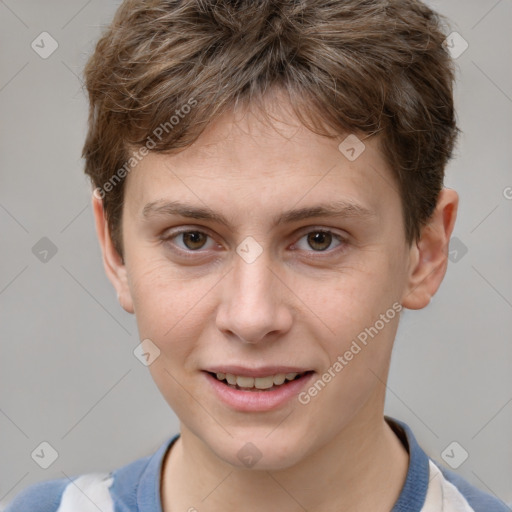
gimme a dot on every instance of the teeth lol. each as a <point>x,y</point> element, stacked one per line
<point>279,379</point>
<point>263,382</point>
<point>258,382</point>
<point>246,382</point>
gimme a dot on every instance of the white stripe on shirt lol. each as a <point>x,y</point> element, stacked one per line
<point>88,493</point>
<point>443,496</point>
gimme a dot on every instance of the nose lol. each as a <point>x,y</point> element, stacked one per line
<point>253,307</point>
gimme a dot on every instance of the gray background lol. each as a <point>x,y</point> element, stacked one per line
<point>68,375</point>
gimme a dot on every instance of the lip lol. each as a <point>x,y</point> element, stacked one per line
<point>263,371</point>
<point>257,401</point>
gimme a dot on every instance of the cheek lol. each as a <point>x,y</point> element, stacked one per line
<point>167,306</point>
<point>170,312</point>
<point>356,295</point>
<point>358,305</point>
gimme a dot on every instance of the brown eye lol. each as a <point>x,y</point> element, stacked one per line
<point>319,240</point>
<point>194,239</point>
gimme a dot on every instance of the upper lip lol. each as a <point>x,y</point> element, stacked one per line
<point>263,371</point>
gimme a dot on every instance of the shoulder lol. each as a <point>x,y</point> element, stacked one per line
<point>433,487</point>
<point>478,500</point>
<point>39,497</point>
<point>117,490</point>
<point>87,493</point>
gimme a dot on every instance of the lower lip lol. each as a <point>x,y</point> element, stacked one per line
<point>254,401</point>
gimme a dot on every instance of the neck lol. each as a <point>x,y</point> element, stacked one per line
<point>362,468</point>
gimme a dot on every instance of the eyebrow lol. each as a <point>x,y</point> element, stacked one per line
<point>341,209</point>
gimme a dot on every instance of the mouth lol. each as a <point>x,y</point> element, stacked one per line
<point>259,384</point>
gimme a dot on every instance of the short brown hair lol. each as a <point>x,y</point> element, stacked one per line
<point>348,66</point>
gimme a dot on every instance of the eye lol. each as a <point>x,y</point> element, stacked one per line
<point>320,240</point>
<point>191,240</point>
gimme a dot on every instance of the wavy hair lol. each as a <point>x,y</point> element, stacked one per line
<point>356,66</point>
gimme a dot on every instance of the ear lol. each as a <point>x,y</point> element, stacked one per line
<point>429,254</point>
<point>112,261</point>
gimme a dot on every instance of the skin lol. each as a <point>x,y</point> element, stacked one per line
<point>295,304</point>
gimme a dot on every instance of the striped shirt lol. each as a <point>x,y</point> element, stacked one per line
<point>135,487</point>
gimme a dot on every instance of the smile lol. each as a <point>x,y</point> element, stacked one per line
<point>257,394</point>
<point>269,383</point>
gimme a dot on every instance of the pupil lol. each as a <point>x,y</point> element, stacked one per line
<point>195,238</point>
<point>320,238</point>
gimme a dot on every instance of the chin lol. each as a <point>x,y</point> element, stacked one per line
<point>259,451</point>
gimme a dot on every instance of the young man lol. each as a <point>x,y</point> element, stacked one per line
<point>268,197</point>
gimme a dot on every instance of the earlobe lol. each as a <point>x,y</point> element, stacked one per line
<point>112,261</point>
<point>429,255</point>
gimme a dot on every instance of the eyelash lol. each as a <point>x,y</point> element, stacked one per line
<point>189,252</point>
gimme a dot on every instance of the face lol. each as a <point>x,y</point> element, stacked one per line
<point>265,246</point>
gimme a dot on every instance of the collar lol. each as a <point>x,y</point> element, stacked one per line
<point>413,494</point>
<point>411,499</point>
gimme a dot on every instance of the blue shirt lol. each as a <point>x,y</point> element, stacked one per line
<point>135,487</point>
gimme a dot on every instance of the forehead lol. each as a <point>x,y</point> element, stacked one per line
<point>244,163</point>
